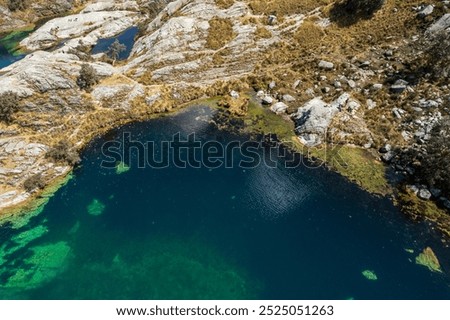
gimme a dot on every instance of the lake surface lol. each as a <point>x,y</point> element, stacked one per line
<point>126,38</point>
<point>8,47</point>
<point>173,233</point>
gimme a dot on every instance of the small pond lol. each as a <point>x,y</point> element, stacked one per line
<point>126,38</point>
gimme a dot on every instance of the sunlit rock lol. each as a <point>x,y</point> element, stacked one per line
<point>429,259</point>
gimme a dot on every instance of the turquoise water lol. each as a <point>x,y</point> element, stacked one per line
<point>6,58</point>
<point>8,47</point>
<point>126,38</point>
<point>262,233</point>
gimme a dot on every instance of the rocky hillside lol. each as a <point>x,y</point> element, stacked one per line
<point>359,79</point>
<point>17,14</point>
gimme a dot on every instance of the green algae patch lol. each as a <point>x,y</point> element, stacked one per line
<point>356,164</point>
<point>419,209</point>
<point>369,275</point>
<point>20,241</point>
<point>161,269</point>
<point>262,120</point>
<point>429,259</point>
<point>32,234</point>
<point>122,168</point>
<point>45,263</point>
<point>11,41</point>
<point>96,208</point>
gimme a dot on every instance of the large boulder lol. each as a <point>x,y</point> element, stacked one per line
<point>312,121</point>
<point>279,108</point>
<point>442,24</point>
<point>326,65</point>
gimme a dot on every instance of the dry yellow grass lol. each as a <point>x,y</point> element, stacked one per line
<point>262,33</point>
<point>297,56</point>
<point>220,33</point>
<point>310,33</point>
<point>285,7</point>
<point>224,4</point>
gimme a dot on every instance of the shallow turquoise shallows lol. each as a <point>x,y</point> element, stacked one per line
<point>8,47</point>
<point>262,233</point>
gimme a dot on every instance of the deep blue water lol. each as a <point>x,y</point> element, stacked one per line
<point>262,233</point>
<point>6,59</point>
<point>126,38</point>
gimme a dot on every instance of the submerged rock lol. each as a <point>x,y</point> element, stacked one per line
<point>20,241</point>
<point>96,208</point>
<point>370,275</point>
<point>429,259</point>
<point>46,262</point>
<point>122,168</point>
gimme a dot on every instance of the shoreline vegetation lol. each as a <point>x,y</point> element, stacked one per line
<point>355,164</point>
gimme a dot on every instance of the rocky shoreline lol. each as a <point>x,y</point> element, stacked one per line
<point>358,95</point>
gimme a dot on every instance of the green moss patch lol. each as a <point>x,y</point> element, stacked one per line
<point>11,41</point>
<point>261,120</point>
<point>419,209</point>
<point>357,164</point>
